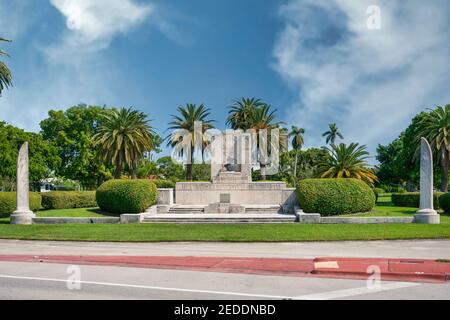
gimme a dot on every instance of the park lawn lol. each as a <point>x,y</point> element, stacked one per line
<point>228,233</point>
<point>224,232</point>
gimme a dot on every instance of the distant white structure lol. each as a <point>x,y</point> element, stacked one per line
<point>55,184</point>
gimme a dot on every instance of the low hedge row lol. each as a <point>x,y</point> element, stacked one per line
<point>8,203</point>
<point>168,184</point>
<point>377,192</point>
<point>412,199</point>
<point>444,202</point>
<point>126,196</point>
<point>68,199</point>
<point>335,196</point>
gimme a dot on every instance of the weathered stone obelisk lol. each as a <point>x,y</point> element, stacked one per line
<point>23,214</point>
<point>426,213</point>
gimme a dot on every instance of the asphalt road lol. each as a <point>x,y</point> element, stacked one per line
<point>58,281</point>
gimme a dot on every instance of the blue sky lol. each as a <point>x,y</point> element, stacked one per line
<point>315,61</point>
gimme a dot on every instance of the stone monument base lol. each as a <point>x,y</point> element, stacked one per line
<point>22,217</point>
<point>427,216</point>
<point>224,208</point>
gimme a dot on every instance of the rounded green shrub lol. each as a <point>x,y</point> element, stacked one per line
<point>412,199</point>
<point>164,184</point>
<point>8,203</point>
<point>126,196</point>
<point>335,196</point>
<point>68,199</point>
<point>444,202</point>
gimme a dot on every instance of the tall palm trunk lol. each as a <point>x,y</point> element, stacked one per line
<point>118,170</point>
<point>189,165</point>
<point>445,168</point>
<point>295,169</point>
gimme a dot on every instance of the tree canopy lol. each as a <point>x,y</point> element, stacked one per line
<point>71,132</point>
<point>44,159</point>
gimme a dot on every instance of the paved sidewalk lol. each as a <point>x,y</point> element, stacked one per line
<point>412,249</point>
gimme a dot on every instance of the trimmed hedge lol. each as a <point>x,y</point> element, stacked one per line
<point>8,203</point>
<point>412,199</point>
<point>68,199</point>
<point>444,202</point>
<point>164,184</point>
<point>377,192</point>
<point>335,196</point>
<point>126,196</point>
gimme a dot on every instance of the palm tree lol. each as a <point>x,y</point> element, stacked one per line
<point>5,73</point>
<point>347,162</point>
<point>241,112</point>
<point>124,136</point>
<point>297,144</point>
<point>263,118</point>
<point>184,126</point>
<point>332,133</point>
<point>435,127</point>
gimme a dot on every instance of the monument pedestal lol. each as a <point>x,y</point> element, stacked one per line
<point>25,217</point>
<point>427,216</point>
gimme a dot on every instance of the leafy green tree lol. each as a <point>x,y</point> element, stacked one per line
<point>332,134</point>
<point>71,132</point>
<point>297,144</point>
<point>5,73</point>
<point>201,172</point>
<point>184,137</point>
<point>347,162</point>
<point>147,169</point>
<point>43,156</point>
<point>435,127</point>
<point>170,170</point>
<point>123,137</point>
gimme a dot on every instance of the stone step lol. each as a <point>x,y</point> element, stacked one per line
<point>219,218</point>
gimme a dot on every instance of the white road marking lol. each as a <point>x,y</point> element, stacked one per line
<point>355,291</point>
<point>315,296</point>
<point>240,294</point>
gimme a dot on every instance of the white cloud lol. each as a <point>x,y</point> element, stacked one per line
<point>371,82</point>
<point>92,24</point>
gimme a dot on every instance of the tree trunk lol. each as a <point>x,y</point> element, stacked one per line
<point>445,167</point>
<point>295,170</point>
<point>118,171</point>
<point>189,165</point>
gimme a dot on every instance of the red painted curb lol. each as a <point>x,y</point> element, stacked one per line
<point>410,270</point>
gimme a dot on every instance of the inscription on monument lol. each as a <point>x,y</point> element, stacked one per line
<point>225,198</point>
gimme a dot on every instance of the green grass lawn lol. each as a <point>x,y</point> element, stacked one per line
<point>240,232</point>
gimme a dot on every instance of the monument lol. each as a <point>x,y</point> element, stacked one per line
<point>23,214</point>
<point>231,189</point>
<point>426,213</point>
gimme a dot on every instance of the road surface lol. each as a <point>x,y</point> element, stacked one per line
<point>58,281</point>
<point>24,280</point>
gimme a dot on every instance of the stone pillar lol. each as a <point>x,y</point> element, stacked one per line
<point>23,214</point>
<point>426,213</point>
